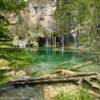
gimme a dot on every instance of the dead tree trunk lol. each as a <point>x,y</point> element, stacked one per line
<point>47,80</point>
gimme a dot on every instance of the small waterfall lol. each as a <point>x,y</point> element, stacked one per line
<point>62,42</point>
<point>50,40</point>
<point>62,48</point>
<point>47,42</point>
<point>62,51</point>
<point>55,41</point>
<point>75,39</point>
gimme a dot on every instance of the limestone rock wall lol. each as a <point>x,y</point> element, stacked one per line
<point>36,18</point>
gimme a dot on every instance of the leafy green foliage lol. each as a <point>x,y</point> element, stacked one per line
<point>3,28</point>
<point>70,13</point>
<point>11,5</point>
<point>82,15</point>
<point>63,15</point>
<point>8,6</point>
<point>19,57</point>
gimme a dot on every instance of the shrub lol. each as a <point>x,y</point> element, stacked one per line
<point>82,94</point>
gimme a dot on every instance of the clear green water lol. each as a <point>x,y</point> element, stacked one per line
<point>48,60</point>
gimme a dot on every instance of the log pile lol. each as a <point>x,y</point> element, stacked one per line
<point>50,79</point>
<point>88,80</point>
<point>82,79</point>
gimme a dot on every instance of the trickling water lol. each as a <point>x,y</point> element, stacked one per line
<point>55,41</point>
<point>63,41</point>
<point>75,39</point>
<point>47,42</point>
<point>50,40</point>
<point>62,49</point>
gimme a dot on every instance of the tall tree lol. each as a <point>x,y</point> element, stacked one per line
<point>70,14</point>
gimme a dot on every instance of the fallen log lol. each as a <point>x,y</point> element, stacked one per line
<point>93,93</point>
<point>63,72</point>
<point>48,80</point>
<point>90,85</point>
<point>85,74</point>
<point>97,78</point>
<point>45,81</point>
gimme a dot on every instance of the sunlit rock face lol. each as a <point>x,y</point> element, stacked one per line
<point>37,16</point>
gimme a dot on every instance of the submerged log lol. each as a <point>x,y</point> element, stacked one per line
<point>76,67</point>
<point>81,65</point>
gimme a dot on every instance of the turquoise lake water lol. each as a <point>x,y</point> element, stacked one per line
<point>48,60</point>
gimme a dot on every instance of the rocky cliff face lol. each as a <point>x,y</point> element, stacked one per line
<point>37,17</point>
